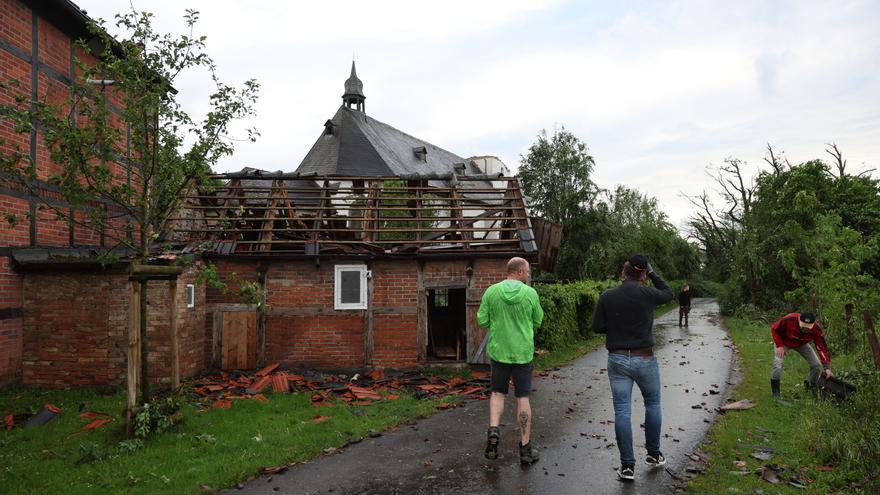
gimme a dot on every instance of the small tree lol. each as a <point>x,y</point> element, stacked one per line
<point>126,148</point>
<point>166,151</point>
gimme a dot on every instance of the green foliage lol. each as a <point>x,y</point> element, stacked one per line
<point>135,115</point>
<point>803,238</point>
<point>807,432</point>
<point>568,311</point>
<point>395,194</point>
<point>852,443</point>
<point>247,291</point>
<point>602,228</point>
<point>555,175</point>
<point>158,416</point>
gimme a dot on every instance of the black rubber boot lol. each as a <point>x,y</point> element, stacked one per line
<point>774,387</point>
<point>527,455</point>
<point>492,438</point>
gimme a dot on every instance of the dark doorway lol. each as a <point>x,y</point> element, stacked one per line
<point>447,324</point>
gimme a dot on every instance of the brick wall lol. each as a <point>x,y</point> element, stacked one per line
<point>17,61</point>
<point>302,328</point>
<point>319,335</point>
<point>68,345</point>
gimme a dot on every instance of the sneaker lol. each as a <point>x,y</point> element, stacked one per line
<point>493,436</point>
<point>527,455</point>
<point>626,473</point>
<point>655,460</point>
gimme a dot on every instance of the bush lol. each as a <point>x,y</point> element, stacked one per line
<point>846,436</point>
<point>568,311</point>
<point>158,416</point>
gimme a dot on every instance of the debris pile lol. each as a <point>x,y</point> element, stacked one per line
<point>359,390</point>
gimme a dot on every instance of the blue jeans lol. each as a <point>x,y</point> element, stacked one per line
<point>623,370</point>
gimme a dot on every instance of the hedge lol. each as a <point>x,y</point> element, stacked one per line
<point>568,311</point>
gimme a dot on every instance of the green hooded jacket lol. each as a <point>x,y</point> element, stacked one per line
<point>511,311</point>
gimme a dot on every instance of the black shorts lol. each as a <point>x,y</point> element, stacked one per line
<point>502,372</point>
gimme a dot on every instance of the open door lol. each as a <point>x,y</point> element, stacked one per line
<point>447,325</point>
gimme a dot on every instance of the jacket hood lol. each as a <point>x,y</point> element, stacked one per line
<point>513,291</point>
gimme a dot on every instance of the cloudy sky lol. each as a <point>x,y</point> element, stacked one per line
<point>659,90</point>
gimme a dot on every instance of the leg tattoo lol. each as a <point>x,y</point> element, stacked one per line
<point>523,421</point>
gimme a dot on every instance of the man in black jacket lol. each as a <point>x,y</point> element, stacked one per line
<point>684,304</point>
<point>626,314</point>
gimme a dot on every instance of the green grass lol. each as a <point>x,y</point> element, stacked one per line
<point>802,430</point>
<point>567,352</point>
<point>216,448</point>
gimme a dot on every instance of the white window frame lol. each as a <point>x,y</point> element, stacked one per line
<point>337,286</point>
<point>190,294</point>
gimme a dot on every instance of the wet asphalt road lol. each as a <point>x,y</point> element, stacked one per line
<point>573,428</point>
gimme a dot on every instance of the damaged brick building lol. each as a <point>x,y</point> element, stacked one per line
<point>374,252</point>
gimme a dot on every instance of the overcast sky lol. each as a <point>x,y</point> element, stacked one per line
<point>658,90</point>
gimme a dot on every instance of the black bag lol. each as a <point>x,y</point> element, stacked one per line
<point>834,388</point>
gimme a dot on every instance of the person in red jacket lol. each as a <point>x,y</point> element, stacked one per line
<point>796,331</point>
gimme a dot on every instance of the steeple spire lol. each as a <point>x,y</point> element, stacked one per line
<point>354,91</point>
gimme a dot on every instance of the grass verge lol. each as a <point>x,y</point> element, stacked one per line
<point>210,450</point>
<point>826,446</point>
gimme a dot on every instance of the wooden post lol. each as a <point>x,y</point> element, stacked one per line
<point>144,348</point>
<point>368,322</point>
<point>175,349</point>
<point>872,338</point>
<point>133,353</point>
<point>848,323</point>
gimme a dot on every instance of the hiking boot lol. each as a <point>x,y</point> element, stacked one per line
<point>492,438</point>
<point>774,387</point>
<point>527,455</point>
<point>655,460</point>
<point>626,473</point>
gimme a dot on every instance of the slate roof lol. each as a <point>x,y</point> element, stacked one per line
<point>357,145</point>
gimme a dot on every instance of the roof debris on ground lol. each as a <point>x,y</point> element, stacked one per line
<point>218,391</point>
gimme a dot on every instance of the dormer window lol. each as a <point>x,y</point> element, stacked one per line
<point>459,168</point>
<point>421,153</point>
<point>329,128</point>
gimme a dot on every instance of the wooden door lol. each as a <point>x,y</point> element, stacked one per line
<point>476,335</point>
<point>238,340</point>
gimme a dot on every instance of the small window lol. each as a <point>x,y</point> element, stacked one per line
<point>190,296</point>
<point>350,290</point>
<point>441,298</point>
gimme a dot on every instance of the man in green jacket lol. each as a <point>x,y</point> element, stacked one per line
<point>511,311</point>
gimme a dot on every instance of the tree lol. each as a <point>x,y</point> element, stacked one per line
<point>169,151</point>
<point>125,148</point>
<point>555,176</point>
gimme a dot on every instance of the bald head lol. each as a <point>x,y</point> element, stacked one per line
<point>518,268</point>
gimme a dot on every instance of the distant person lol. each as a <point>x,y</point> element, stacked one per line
<point>511,311</point>
<point>626,314</point>
<point>796,331</point>
<point>684,304</point>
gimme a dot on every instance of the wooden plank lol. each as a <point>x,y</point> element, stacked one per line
<point>175,348</point>
<point>217,337</point>
<point>368,324</point>
<point>871,336</point>
<point>422,313</point>
<point>244,346</point>
<point>250,361</point>
<point>133,353</point>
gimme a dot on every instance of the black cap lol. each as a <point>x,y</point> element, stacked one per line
<point>808,317</point>
<point>639,262</point>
